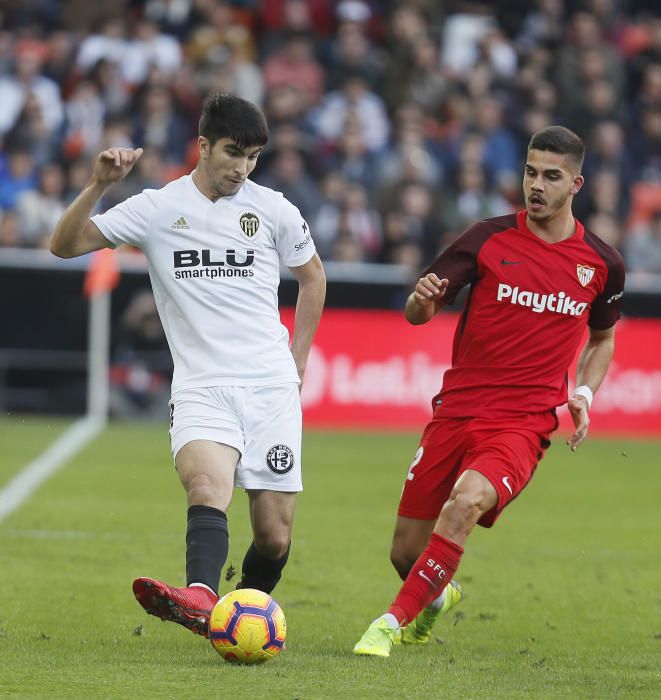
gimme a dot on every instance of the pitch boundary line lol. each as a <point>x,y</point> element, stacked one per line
<point>56,455</point>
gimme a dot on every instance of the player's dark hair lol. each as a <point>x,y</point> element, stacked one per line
<point>559,139</point>
<point>229,117</point>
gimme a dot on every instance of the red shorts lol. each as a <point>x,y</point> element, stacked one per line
<point>506,453</point>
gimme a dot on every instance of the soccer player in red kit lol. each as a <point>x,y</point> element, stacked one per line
<point>537,279</point>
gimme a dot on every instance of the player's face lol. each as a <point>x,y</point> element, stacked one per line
<point>549,184</point>
<point>226,166</point>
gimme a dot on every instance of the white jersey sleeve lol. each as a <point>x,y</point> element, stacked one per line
<point>129,221</point>
<point>293,238</point>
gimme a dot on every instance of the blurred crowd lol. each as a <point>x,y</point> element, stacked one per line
<point>394,125</point>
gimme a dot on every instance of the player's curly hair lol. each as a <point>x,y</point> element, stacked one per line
<point>228,116</point>
<point>559,139</point>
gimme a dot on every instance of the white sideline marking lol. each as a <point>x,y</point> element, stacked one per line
<point>15,533</point>
<point>28,480</point>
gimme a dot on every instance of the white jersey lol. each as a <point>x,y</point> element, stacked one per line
<point>215,271</point>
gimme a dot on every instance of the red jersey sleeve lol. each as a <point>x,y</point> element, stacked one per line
<point>605,309</point>
<point>458,262</point>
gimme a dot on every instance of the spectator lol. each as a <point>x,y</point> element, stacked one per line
<point>346,248</point>
<point>412,156</point>
<point>607,151</point>
<point>108,43</point>
<point>32,133</point>
<point>407,27</point>
<point>281,16</point>
<point>10,230</point>
<point>146,49</point>
<point>462,34</point>
<point>604,194</point>
<point>326,222</point>
<point>140,366</point>
<point>218,29</point>
<point>353,99</point>
<point>499,53</point>
<point>85,111</point>
<point>78,174</point>
<point>285,105</point>
<point>159,126</point>
<point>500,158</point>
<point>352,159</point>
<point>542,26</point>
<point>25,80</point>
<point>60,57</point>
<point>643,247</point>
<point>646,146</point>
<point>39,210</point>
<point>415,76</point>
<point>288,175</point>
<point>472,199</point>
<point>353,51</point>
<point>362,222</point>
<point>294,64</point>
<point>585,37</point>
<point>16,177</point>
<point>607,226</point>
<point>231,70</point>
<point>416,203</point>
<point>399,247</point>
<point>112,89</point>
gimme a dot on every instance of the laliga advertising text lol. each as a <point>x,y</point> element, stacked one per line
<point>559,304</point>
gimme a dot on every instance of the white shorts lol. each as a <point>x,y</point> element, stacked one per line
<point>264,423</point>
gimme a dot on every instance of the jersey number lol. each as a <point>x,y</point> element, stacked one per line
<point>415,462</point>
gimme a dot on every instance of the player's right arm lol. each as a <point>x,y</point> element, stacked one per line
<point>426,300</point>
<point>452,270</point>
<point>75,234</point>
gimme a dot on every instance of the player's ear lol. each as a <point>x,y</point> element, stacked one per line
<point>203,146</point>
<point>577,184</point>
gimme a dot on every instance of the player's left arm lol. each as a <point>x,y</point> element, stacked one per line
<point>591,369</point>
<point>311,280</point>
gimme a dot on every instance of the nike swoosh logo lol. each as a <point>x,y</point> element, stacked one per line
<point>424,575</point>
<point>510,262</point>
<point>507,485</point>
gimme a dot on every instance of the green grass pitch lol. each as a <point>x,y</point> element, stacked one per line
<point>562,596</point>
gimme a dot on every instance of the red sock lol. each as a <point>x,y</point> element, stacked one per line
<point>428,577</point>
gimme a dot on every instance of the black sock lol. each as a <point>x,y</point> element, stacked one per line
<point>207,544</point>
<point>261,572</point>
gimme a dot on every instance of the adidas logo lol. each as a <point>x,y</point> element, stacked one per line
<point>180,223</point>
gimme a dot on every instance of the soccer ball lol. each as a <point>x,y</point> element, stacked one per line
<point>247,626</point>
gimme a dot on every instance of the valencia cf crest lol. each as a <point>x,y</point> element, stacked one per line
<point>584,274</point>
<point>249,224</point>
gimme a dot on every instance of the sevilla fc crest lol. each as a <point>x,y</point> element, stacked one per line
<point>584,274</point>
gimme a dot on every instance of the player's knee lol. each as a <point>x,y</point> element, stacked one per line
<point>402,561</point>
<point>273,544</point>
<point>467,506</point>
<point>204,491</point>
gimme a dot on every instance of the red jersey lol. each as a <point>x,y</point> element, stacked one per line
<point>525,315</point>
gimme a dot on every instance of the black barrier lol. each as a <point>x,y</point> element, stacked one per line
<point>43,334</point>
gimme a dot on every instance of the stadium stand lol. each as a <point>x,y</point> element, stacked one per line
<point>393,123</point>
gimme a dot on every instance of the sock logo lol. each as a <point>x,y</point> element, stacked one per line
<point>433,572</point>
<point>436,568</point>
<point>280,459</point>
<point>422,574</point>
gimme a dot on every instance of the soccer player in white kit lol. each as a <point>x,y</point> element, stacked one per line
<point>214,242</point>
